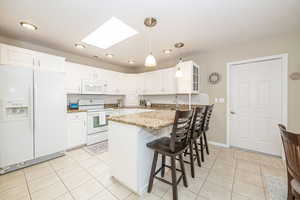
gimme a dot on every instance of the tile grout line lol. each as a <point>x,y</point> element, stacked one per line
<point>69,191</point>
<point>27,184</point>
<point>235,171</point>
<point>105,188</point>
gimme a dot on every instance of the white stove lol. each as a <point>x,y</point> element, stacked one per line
<point>97,121</point>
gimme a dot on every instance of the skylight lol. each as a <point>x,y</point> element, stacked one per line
<point>110,33</point>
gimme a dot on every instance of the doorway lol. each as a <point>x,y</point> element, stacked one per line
<point>257,102</point>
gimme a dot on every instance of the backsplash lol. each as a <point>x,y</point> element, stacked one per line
<point>200,99</point>
<point>108,99</point>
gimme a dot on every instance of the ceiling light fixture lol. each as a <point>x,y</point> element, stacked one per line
<point>167,51</point>
<point>179,73</point>
<point>131,62</point>
<point>28,26</point>
<point>109,55</point>
<point>150,60</point>
<point>110,33</point>
<point>79,46</point>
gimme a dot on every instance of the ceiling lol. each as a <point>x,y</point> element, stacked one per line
<point>202,25</point>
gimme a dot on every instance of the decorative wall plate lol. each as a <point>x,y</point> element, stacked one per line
<point>214,78</point>
<point>295,76</point>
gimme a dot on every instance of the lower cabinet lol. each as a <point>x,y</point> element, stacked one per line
<point>77,129</point>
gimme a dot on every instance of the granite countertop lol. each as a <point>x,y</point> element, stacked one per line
<point>154,120</point>
<point>75,111</point>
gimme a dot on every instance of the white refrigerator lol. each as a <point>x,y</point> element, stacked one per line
<point>32,116</point>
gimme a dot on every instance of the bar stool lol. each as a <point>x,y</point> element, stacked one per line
<point>172,147</point>
<point>205,127</point>
<point>196,128</point>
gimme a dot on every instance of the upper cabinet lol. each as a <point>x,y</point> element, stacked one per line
<point>189,82</point>
<point>15,56</point>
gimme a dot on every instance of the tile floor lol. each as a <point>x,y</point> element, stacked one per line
<point>227,174</point>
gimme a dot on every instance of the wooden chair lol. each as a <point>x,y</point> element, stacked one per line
<point>193,150</point>
<point>172,147</point>
<point>205,127</point>
<point>291,145</point>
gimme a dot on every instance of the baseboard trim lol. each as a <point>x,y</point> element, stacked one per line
<point>218,144</point>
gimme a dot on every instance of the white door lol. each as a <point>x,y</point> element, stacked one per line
<point>77,130</point>
<point>256,105</point>
<point>50,113</point>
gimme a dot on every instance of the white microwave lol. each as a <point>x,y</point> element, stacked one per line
<point>92,87</point>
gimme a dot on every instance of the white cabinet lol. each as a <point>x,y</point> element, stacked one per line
<point>15,56</point>
<point>51,63</point>
<point>73,78</point>
<point>10,55</point>
<point>189,82</point>
<point>77,129</point>
<point>168,81</point>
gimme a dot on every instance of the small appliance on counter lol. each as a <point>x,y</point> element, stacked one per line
<point>73,106</point>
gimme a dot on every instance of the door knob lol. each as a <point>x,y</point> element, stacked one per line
<point>233,113</point>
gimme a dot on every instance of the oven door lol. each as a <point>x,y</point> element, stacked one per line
<point>97,122</point>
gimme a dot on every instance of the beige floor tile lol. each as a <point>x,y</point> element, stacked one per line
<point>36,173</point>
<point>16,193</point>
<point>160,188</point>
<point>106,179</point>
<point>273,171</point>
<point>200,172</point>
<point>90,162</point>
<point>146,196</point>
<point>50,192</point>
<point>194,184</point>
<point>248,190</point>
<point>248,166</point>
<point>36,167</point>
<point>248,177</point>
<point>224,169</point>
<point>183,194</point>
<point>66,196</point>
<point>79,154</point>
<point>104,157</point>
<point>236,196</point>
<point>87,190</point>
<point>62,162</point>
<point>69,171</point>
<point>201,198</point>
<point>212,191</point>
<point>76,179</point>
<point>119,190</point>
<point>43,182</point>
<point>98,169</point>
<point>221,178</point>
<point>104,195</point>
<point>12,180</point>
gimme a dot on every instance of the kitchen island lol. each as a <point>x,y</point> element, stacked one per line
<point>128,135</point>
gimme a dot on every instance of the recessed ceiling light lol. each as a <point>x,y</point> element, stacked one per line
<point>109,55</point>
<point>131,62</point>
<point>95,57</point>
<point>28,26</point>
<point>167,51</point>
<point>79,46</point>
<point>111,32</point>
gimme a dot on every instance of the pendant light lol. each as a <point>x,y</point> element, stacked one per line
<point>150,60</point>
<point>179,73</point>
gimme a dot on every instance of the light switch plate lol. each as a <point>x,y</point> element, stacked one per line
<point>216,100</point>
<point>221,100</point>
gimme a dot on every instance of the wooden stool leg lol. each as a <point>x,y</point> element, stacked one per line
<point>163,164</point>
<point>183,171</point>
<point>152,174</point>
<point>290,193</point>
<point>201,148</point>
<point>174,179</point>
<point>206,144</point>
<point>192,160</point>
<point>197,153</point>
